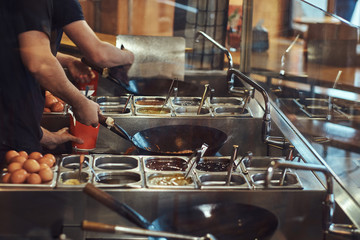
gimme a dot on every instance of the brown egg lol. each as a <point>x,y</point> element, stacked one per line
<point>6,178</point>
<point>43,165</point>
<point>50,100</point>
<point>31,166</point>
<point>46,174</point>
<point>19,176</point>
<point>19,159</point>
<point>10,154</point>
<point>57,107</point>
<point>33,178</point>
<point>24,154</point>
<point>47,109</point>
<point>51,156</point>
<point>14,166</point>
<point>35,155</point>
<point>47,93</point>
<point>50,162</point>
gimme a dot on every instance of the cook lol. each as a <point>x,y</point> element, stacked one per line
<point>31,32</point>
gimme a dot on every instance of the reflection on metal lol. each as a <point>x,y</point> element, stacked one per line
<point>282,70</point>
<point>246,36</point>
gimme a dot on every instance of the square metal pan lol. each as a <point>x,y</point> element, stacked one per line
<point>86,177</point>
<point>72,162</point>
<point>218,181</point>
<point>164,163</point>
<point>292,180</point>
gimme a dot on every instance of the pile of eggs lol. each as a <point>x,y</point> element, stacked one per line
<point>53,103</point>
<point>33,168</point>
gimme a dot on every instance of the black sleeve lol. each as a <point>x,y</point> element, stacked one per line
<point>35,15</point>
<point>66,12</point>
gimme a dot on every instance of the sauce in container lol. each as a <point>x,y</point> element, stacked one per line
<point>170,180</point>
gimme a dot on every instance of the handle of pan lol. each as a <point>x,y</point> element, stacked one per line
<point>101,227</point>
<point>120,208</point>
<point>109,123</point>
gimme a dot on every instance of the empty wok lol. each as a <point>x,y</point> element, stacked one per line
<point>172,139</point>
<point>225,220</point>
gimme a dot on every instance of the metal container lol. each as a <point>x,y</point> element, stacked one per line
<point>116,163</point>
<point>153,111</point>
<point>232,111</point>
<point>218,181</point>
<point>72,162</point>
<point>213,164</point>
<point>192,111</point>
<point>225,101</point>
<point>46,185</point>
<point>118,179</point>
<point>149,101</point>
<point>169,180</point>
<point>71,179</point>
<point>186,101</point>
<point>291,180</point>
<point>165,163</point>
<point>258,162</point>
<point>114,105</point>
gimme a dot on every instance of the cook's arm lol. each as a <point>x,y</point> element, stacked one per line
<point>79,71</point>
<point>38,59</point>
<point>52,139</point>
<point>98,52</point>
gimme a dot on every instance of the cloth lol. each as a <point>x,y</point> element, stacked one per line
<point>345,8</point>
<point>21,97</point>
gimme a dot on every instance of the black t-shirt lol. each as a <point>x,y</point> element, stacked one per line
<point>21,97</point>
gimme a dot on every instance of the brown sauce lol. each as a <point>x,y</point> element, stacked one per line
<point>166,164</point>
<point>150,102</point>
<point>153,110</point>
<point>170,180</point>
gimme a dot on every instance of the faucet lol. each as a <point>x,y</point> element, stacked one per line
<point>275,141</point>
<point>329,202</point>
<point>223,49</point>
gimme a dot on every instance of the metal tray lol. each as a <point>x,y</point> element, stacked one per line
<point>192,111</point>
<point>149,101</point>
<point>292,181</point>
<point>115,163</point>
<point>186,101</point>
<point>153,111</point>
<point>72,162</point>
<point>232,111</point>
<point>225,101</point>
<point>85,178</point>
<point>118,179</point>
<point>218,181</point>
<point>48,185</point>
<point>161,163</point>
<point>166,180</point>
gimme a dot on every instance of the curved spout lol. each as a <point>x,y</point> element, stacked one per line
<point>266,117</point>
<point>223,49</point>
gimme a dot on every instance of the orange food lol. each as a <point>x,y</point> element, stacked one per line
<point>50,100</point>
<point>46,174</point>
<point>24,154</point>
<point>14,166</point>
<point>35,155</point>
<point>48,161</point>
<point>57,107</point>
<point>51,156</point>
<point>18,158</point>
<point>43,165</point>
<point>6,178</point>
<point>31,166</point>
<point>33,178</point>
<point>19,176</point>
<point>10,154</point>
<point>47,109</point>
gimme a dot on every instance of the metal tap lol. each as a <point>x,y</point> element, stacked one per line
<point>329,202</point>
<point>222,48</point>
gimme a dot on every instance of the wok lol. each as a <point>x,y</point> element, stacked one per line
<point>223,220</point>
<point>170,139</point>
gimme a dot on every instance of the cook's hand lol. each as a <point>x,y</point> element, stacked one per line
<point>80,72</point>
<point>87,112</point>
<point>51,140</point>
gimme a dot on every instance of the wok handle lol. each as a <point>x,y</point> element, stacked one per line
<point>98,227</point>
<point>109,123</point>
<point>120,208</point>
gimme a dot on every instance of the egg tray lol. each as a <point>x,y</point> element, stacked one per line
<point>64,112</point>
<point>47,185</point>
